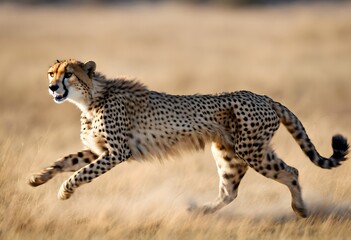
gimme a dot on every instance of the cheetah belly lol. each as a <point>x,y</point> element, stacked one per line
<point>94,143</point>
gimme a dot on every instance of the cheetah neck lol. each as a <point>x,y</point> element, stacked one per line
<point>81,101</point>
<point>82,106</point>
<point>85,101</point>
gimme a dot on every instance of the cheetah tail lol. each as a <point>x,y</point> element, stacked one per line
<point>295,127</point>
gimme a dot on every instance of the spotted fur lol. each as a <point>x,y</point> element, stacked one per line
<point>121,119</point>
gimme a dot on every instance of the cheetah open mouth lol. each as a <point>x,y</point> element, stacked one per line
<point>60,97</point>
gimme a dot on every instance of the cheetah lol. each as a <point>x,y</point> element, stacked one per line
<point>121,120</point>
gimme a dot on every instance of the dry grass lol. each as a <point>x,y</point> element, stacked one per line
<point>300,55</point>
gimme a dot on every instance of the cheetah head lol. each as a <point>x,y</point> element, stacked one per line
<point>71,80</point>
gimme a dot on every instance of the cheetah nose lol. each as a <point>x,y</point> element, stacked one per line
<point>53,87</point>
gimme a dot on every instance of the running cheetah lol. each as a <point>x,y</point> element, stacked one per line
<point>121,120</point>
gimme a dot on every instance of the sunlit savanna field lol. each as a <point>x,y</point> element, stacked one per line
<point>298,54</point>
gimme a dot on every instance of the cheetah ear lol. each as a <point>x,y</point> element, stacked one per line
<point>89,68</point>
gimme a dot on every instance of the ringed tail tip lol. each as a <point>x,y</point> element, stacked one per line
<point>340,148</point>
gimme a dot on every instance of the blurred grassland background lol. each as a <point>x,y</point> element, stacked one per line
<point>299,54</point>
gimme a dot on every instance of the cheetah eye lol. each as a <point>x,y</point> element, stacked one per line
<point>68,75</point>
<point>51,74</point>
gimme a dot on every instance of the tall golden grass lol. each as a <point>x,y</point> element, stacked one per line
<point>299,55</point>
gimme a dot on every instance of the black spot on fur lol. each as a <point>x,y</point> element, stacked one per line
<point>311,154</point>
<point>235,186</point>
<point>299,136</point>
<point>74,161</point>
<point>276,167</point>
<point>57,167</point>
<point>321,162</point>
<point>228,176</point>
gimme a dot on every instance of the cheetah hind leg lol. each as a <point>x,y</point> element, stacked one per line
<point>230,170</point>
<point>274,168</point>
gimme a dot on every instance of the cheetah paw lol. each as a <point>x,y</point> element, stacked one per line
<point>203,210</point>
<point>300,210</point>
<point>37,180</point>
<point>64,193</point>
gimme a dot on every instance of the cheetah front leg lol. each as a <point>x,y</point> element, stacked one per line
<point>70,163</point>
<point>86,174</point>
